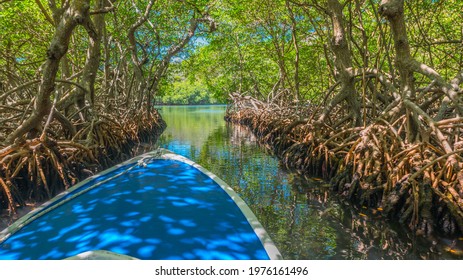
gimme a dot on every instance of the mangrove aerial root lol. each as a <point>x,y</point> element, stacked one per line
<point>37,169</point>
<point>420,184</point>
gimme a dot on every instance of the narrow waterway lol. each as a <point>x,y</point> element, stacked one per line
<point>300,215</point>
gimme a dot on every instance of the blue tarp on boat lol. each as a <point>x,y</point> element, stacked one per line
<point>157,208</point>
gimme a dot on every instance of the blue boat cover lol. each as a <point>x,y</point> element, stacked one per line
<point>166,209</point>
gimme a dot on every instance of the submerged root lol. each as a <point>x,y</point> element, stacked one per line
<point>419,184</point>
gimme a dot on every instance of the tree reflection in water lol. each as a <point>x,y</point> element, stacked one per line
<point>299,213</point>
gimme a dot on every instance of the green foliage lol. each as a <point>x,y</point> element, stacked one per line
<point>253,45</point>
<point>184,91</point>
<point>24,38</point>
<point>249,52</point>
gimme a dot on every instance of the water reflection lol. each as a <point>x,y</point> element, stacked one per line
<point>190,126</point>
<point>302,218</point>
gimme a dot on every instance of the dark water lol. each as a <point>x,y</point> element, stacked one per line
<point>301,216</point>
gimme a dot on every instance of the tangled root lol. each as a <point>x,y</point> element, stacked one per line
<point>418,184</point>
<point>39,168</point>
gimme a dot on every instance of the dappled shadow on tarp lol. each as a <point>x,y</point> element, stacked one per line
<point>166,210</point>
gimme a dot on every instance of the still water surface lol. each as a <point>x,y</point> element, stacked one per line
<point>301,216</point>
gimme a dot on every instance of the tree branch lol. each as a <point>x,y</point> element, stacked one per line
<point>45,13</point>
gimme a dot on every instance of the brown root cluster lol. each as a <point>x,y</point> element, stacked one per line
<point>36,169</point>
<point>420,184</point>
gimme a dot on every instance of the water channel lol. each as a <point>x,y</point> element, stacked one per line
<point>302,217</point>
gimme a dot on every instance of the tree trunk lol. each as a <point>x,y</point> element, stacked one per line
<point>140,84</point>
<point>95,31</point>
<point>296,49</point>
<point>343,65</point>
<point>393,11</point>
<point>75,14</point>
